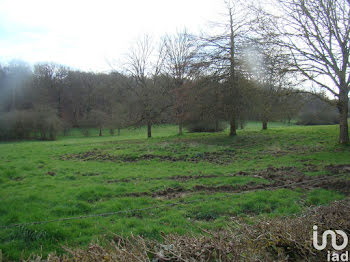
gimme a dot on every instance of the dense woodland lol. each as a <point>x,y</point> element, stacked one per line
<point>252,70</point>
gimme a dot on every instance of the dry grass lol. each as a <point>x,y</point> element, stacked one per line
<point>278,239</point>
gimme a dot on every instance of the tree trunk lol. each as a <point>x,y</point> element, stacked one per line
<point>343,121</point>
<point>233,127</point>
<point>232,71</point>
<point>118,131</point>
<point>180,128</point>
<point>59,109</point>
<point>149,129</point>
<point>100,134</point>
<point>264,124</point>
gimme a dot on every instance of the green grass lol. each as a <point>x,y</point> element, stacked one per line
<point>76,187</point>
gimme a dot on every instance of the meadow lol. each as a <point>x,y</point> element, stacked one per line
<point>194,181</point>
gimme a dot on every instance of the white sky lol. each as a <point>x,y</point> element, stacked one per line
<point>84,34</point>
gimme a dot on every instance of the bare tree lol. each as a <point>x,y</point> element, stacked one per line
<point>317,34</point>
<point>221,57</point>
<point>180,50</point>
<point>144,64</point>
<point>99,119</point>
<point>269,68</point>
<point>291,104</point>
<point>49,79</point>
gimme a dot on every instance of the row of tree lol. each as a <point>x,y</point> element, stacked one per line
<point>80,99</point>
<point>249,70</point>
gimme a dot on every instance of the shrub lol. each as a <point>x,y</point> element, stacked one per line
<point>47,125</point>
<point>318,112</point>
<point>318,118</point>
<point>43,125</point>
<point>16,125</point>
<point>5,127</point>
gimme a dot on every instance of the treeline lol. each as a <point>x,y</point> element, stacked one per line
<point>41,101</point>
<point>202,83</point>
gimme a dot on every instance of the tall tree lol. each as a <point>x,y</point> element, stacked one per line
<point>317,33</point>
<point>269,68</point>
<point>221,57</point>
<point>180,50</point>
<point>49,80</point>
<point>149,87</point>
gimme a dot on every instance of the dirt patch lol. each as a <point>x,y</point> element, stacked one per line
<point>93,155</point>
<point>338,169</point>
<point>282,177</point>
<point>192,177</point>
<point>220,157</point>
<point>180,178</point>
<point>340,185</point>
<point>310,168</point>
<point>124,180</point>
<point>91,174</point>
<point>17,178</point>
<point>277,151</point>
<point>170,192</point>
<point>229,188</point>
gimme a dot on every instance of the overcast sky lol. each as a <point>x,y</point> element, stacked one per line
<point>85,33</point>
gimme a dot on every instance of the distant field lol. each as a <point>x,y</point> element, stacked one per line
<point>277,172</point>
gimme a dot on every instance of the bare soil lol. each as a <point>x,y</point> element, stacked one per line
<point>221,157</point>
<point>282,177</point>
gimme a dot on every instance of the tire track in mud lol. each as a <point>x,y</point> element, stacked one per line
<point>283,177</point>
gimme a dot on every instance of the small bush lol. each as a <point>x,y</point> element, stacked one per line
<point>48,125</point>
<point>16,125</point>
<point>318,118</point>
<point>317,112</point>
<point>43,125</point>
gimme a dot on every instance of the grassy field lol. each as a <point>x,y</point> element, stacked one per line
<point>213,178</point>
